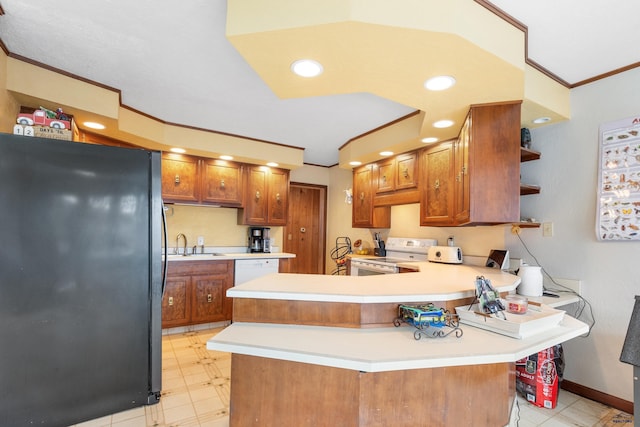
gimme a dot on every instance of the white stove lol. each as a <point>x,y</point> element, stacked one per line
<point>399,249</point>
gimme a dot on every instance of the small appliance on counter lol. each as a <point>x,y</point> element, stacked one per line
<point>445,254</point>
<point>530,281</point>
<point>259,240</point>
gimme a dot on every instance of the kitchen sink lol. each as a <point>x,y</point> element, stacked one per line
<point>175,256</point>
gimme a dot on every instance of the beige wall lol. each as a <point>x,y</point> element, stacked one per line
<point>568,175</point>
<point>8,106</point>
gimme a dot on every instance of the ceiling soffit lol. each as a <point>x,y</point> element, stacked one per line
<point>388,49</point>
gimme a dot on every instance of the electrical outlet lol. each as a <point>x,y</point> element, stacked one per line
<point>547,229</point>
<point>200,240</point>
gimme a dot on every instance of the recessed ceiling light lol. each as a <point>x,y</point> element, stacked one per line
<point>439,83</point>
<point>386,153</point>
<point>225,157</point>
<point>355,163</point>
<point>542,120</point>
<point>429,140</point>
<point>94,125</point>
<point>272,164</point>
<point>179,150</point>
<point>307,68</point>
<point>443,124</point>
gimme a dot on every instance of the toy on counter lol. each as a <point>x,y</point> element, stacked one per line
<point>488,298</point>
<point>428,320</point>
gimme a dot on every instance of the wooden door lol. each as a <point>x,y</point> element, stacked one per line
<point>436,205</point>
<point>305,232</point>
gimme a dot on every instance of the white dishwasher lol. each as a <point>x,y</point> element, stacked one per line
<point>249,269</point>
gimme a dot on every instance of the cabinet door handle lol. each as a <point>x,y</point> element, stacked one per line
<point>278,197</point>
<point>177,179</point>
<point>437,186</point>
<point>405,173</point>
<point>384,178</point>
<point>362,196</point>
<point>257,195</point>
<point>222,184</point>
<point>170,301</point>
<point>209,298</point>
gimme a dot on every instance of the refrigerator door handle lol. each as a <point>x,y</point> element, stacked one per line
<point>166,250</point>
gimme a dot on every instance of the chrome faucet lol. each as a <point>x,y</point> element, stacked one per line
<point>184,252</point>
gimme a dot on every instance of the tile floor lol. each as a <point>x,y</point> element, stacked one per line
<point>196,394</point>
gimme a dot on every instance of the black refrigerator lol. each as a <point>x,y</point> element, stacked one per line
<point>80,280</point>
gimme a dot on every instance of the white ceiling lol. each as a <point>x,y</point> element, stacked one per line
<point>171,60</point>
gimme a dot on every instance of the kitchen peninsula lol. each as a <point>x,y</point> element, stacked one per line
<point>311,350</point>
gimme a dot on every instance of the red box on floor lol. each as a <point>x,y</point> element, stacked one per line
<point>538,376</point>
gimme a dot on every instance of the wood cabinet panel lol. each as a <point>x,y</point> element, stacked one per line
<point>278,196</point>
<point>494,164</point>
<point>406,171</point>
<point>436,204</point>
<point>292,393</point>
<point>208,303</point>
<point>364,214</point>
<point>384,175</point>
<point>483,186</point>
<point>461,171</point>
<point>180,178</point>
<point>196,293</point>
<point>175,310</point>
<point>222,182</point>
<point>266,199</point>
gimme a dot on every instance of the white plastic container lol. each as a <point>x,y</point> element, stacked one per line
<point>531,281</point>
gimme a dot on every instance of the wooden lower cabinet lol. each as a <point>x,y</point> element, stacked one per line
<point>195,292</point>
<point>272,392</point>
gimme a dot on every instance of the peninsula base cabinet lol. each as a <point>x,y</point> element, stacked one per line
<point>298,394</point>
<point>196,293</point>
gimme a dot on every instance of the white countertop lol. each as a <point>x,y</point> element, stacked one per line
<point>230,256</point>
<point>434,282</point>
<point>385,349</point>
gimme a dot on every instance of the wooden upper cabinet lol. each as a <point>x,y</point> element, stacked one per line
<point>406,169</point>
<point>362,205</point>
<point>364,214</point>
<point>493,169</point>
<point>397,173</point>
<point>461,172</point>
<point>180,178</point>
<point>222,182</point>
<point>437,186</point>
<point>278,196</point>
<point>266,196</point>
<point>482,169</point>
<point>384,175</point>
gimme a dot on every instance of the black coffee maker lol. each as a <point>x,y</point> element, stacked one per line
<point>259,240</point>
